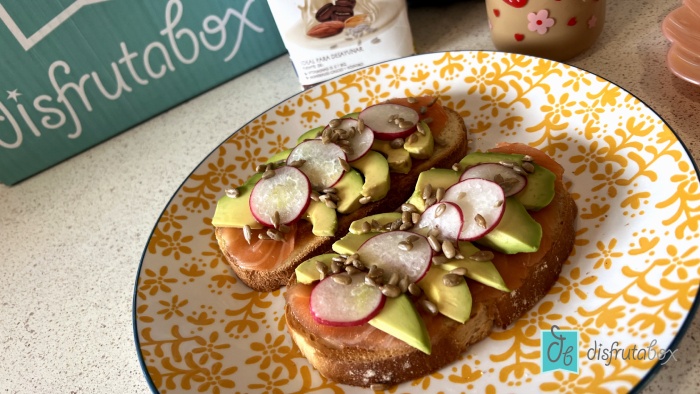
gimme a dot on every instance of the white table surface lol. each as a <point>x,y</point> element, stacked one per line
<point>72,237</point>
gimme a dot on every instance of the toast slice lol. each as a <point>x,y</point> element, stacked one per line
<point>530,279</point>
<point>450,147</point>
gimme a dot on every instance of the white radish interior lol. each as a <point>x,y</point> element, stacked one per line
<point>321,166</point>
<point>286,193</point>
<point>491,171</point>
<point>337,304</point>
<point>378,118</point>
<point>448,222</point>
<point>383,250</point>
<point>477,196</point>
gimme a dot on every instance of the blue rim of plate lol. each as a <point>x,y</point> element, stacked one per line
<point>643,382</point>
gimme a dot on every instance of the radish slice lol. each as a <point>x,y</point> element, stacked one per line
<point>321,162</point>
<point>380,118</point>
<point>287,193</point>
<point>504,176</point>
<point>361,142</point>
<point>386,252</point>
<point>479,199</point>
<point>448,220</point>
<point>354,304</point>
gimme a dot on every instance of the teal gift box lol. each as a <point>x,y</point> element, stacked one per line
<point>77,72</point>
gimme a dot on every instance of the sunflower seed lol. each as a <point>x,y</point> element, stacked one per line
<point>297,163</point>
<point>520,171</point>
<point>405,246</point>
<point>315,196</point>
<point>405,124</point>
<point>405,217</point>
<point>322,268</point>
<point>440,209</point>
<point>461,271</point>
<point>439,194</point>
<point>414,289</point>
<point>330,204</point>
<point>360,125</point>
<point>434,243</point>
<point>333,197</point>
<point>351,270</point>
<point>499,203</point>
<point>433,101</point>
<point>343,279</point>
<point>330,190</point>
<point>448,249</point>
<point>336,267</point>
<point>378,386</point>
<point>375,225</point>
<point>268,174</point>
<point>335,122</point>
<point>415,217</point>
<point>393,279</point>
<point>406,226</point>
<point>232,192</point>
<point>451,280</point>
<point>370,281</point>
<point>434,232</point>
<point>260,168</point>
<point>528,167</point>
<point>403,283</point>
<point>276,219</point>
<point>439,260</point>
<point>391,291</point>
<point>457,167</point>
<point>428,120</point>
<point>395,225</point>
<point>429,306</point>
<point>412,100</point>
<point>427,191</point>
<point>366,227</point>
<point>375,272</point>
<point>284,229</point>
<point>274,234</point>
<point>527,158</point>
<point>247,233</point>
<point>264,236</point>
<point>420,128</point>
<point>482,255</point>
<point>397,143</point>
<point>339,259</point>
<point>423,109</point>
<point>408,207</point>
<point>461,195</point>
<point>480,221</point>
<point>344,164</point>
<point>365,200</point>
<point>430,201</point>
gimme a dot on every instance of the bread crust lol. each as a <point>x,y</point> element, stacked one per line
<point>450,147</point>
<point>361,367</point>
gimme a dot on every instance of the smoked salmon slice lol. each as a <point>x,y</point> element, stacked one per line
<point>260,254</point>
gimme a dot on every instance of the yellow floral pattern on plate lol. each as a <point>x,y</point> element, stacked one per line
<point>632,277</point>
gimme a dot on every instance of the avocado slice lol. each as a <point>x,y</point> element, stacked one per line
<point>279,156</point>
<point>323,219</point>
<point>398,158</point>
<point>400,319</point>
<point>235,212</point>
<point>353,115</point>
<point>375,169</point>
<point>516,232</point>
<point>307,273</point>
<point>381,218</point>
<point>436,177</point>
<point>350,243</point>
<point>311,134</point>
<point>481,271</point>
<point>538,192</point>
<point>423,145</point>
<point>349,189</point>
<point>454,302</point>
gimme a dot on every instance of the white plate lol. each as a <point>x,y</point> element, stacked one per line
<point>632,278</point>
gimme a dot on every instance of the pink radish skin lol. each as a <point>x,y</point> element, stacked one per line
<point>449,222</point>
<point>491,170</point>
<point>361,142</point>
<point>376,117</point>
<point>477,196</point>
<point>322,165</point>
<point>288,192</point>
<point>340,305</point>
<point>383,251</point>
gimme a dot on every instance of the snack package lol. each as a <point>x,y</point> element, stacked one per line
<point>327,38</point>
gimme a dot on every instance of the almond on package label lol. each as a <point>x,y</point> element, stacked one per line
<point>327,38</point>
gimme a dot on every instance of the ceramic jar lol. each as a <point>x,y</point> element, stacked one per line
<point>553,29</point>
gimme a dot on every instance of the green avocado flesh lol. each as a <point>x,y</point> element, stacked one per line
<point>398,158</point>
<point>517,232</point>
<point>481,271</point>
<point>436,177</point>
<point>311,134</point>
<point>279,156</point>
<point>235,212</point>
<point>323,219</point>
<point>307,273</point>
<point>349,189</point>
<point>351,242</point>
<point>375,170</point>
<point>400,319</point>
<point>454,302</point>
